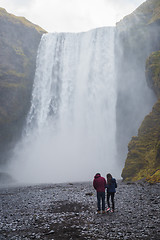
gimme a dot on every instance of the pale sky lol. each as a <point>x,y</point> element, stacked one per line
<point>71,15</point>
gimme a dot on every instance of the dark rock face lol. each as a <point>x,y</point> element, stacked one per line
<point>19,40</point>
<point>139,36</point>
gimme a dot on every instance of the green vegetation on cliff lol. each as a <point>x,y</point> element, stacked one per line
<point>153,72</point>
<point>151,9</point>
<point>19,40</point>
<point>147,13</point>
<point>143,159</point>
<point>19,20</point>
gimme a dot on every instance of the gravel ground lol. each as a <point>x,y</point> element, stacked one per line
<point>68,211</point>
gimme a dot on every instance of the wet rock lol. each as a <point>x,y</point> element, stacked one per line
<point>89,194</point>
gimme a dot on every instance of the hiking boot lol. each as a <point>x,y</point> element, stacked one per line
<point>98,211</point>
<point>103,211</point>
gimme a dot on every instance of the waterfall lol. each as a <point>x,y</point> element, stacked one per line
<point>70,128</point>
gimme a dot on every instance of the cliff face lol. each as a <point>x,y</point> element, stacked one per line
<point>19,40</point>
<point>143,159</point>
<point>153,72</point>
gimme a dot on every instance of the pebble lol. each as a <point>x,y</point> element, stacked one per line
<point>68,211</point>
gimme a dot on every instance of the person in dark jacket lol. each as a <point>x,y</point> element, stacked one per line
<point>99,183</point>
<point>111,189</point>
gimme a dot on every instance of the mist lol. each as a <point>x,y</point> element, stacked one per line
<point>71,126</point>
<point>135,98</point>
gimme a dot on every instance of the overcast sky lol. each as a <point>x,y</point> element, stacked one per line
<point>71,15</point>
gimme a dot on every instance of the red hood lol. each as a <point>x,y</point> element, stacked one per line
<point>97,175</point>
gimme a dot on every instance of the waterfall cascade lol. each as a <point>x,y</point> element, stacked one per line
<point>89,98</point>
<point>70,129</point>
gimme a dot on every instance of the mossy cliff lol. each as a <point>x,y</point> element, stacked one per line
<point>19,40</point>
<point>143,160</point>
<point>139,35</point>
<point>153,72</point>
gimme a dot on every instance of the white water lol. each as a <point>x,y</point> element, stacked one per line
<point>70,129</point>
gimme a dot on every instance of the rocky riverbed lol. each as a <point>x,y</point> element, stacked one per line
<point>68,211</point>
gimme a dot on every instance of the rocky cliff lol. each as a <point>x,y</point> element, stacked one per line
<point>19,40</point>
<point>143,159</point>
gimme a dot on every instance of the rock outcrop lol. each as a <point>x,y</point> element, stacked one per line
<point>143,159</point>
<point>19,40</point>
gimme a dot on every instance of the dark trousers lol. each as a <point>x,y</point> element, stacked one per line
<point>101,197</point>
<point>110,194</point>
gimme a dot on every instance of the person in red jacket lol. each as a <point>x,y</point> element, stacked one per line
<point>99,183</point>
